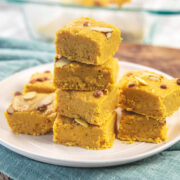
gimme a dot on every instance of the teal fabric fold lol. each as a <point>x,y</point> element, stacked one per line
<point>17,55</point>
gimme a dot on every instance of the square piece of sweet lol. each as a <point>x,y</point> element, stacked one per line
<point>31,113</point>
<point>136,127</point>
<point>87,41</point>
<point>70,75</point>
<point>40,82</point>
<point>149,94</point>
<point>90,106</point>
<point>73,132</point>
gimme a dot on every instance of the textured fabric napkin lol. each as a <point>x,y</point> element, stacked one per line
<point>16,55</point>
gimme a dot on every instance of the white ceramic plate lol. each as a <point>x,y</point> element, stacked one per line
<point>42,148</point>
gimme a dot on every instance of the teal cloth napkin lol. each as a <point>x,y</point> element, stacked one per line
<point>16,55</point>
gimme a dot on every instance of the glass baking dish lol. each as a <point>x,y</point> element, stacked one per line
<point>139,21</point>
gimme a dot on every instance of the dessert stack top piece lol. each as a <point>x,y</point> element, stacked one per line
<point>88,41</point>
<point>149,94</point>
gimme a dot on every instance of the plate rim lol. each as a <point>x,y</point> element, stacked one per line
<point>88,163</point>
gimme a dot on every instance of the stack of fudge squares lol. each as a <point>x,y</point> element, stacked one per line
<point>85,76</point>
<point>78,101</point>
<point>146,99</point>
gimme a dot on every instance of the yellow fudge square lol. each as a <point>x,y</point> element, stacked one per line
<point>40,82</point>
<point>87,41</point>
<point>70,132</point>
<point>149,94</point>
<point>31,113</point>
<point>90,106</point>
<point>70,75</point>
<point>136,127</point>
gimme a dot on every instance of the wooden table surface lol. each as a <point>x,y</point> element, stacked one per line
<point>161,58</point>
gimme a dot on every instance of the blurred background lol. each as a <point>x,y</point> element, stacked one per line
<point>155,22</point>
